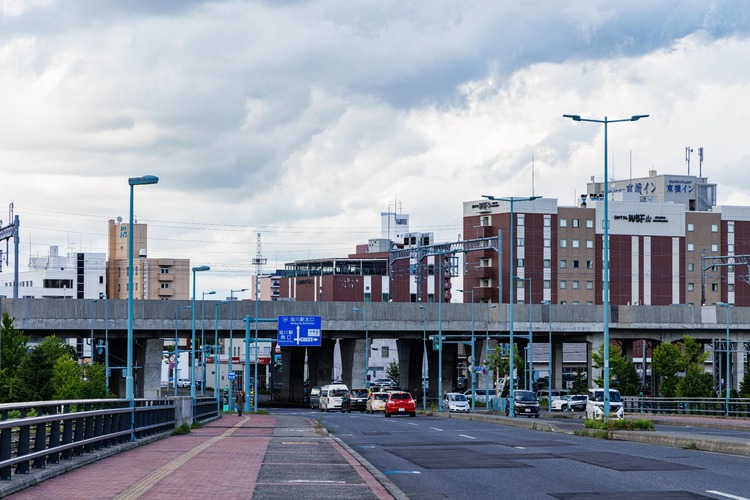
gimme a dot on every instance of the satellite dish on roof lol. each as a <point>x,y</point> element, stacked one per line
<point>119,219</point>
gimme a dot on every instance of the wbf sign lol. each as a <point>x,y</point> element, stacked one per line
<point>302,331</point>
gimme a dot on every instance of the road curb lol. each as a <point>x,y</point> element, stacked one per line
<point>532,424</point>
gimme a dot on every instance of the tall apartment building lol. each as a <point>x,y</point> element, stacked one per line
<point>153,278</point>
<point>669,244</point>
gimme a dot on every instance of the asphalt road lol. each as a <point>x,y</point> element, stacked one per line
<point>432,457</point>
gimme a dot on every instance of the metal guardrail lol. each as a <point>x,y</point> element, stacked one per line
<point>738,407</point>
<point>36,433</point>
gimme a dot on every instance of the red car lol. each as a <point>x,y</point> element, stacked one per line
<point>400,403</point>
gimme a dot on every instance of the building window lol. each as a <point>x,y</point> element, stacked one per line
<point>730,248</point>
<point>485,283</point>
<point>575,264</point>
<point>714,228</point>
<point>714,247</point>
<point>576,244</point>
<point>485,262</point>
<point>574,285</point>
<point>730,287</point>
<point>164,285</point>
<point>691,227</point>
<point>730,269</point>
<point>101,280</point>
<point>546,264</point>
<point>384,351</point>
<point>691,266</point>
<point>589,285</point>
<point>690,247</point>
<point>691,287</point>
<point>563,222</point>
<point>589,223</point>
<point>575,222</point>
<point>730,227</point>
<point>367,297</point>
<point>589,264</point>
<point>575,302</point>
<point>563,264</point>
<point>563,243</point>
<point>563,284</point>
<point>547,284</point>
<point>520,242</point>
<point>164,270</point>
<point>485,220</point>
<point>385,297</point>
<point>519,262</point>
<point>547,243</point>
<point>118,287</point>
<point>547,220</point>
<point>519,219</point>
<point>589,243</point>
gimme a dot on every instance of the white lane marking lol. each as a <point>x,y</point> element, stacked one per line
<point>520,447</point>
<point>726,495</point>
<point>412,423</point>
<point>467,437</point>
<point>436,429</point>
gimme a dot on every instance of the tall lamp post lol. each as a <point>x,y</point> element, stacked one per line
<point>197,269</point>
<point>367,345</point>
<point>530,379</point>
<point>512,269</point>
<point>549,361</point>
<point>92,329</point>
<point>129,393</point>
<point>203,339</point>
<point>605,267</point>
<point>217,357</point>
<point>176,377</point>
<point>728,371</point>
<point>106,341</point>
<point>473,356</point>
<point>424,358</point>
<point>231,335</point>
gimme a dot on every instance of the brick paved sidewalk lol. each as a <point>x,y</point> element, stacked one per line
<point>257,456</point>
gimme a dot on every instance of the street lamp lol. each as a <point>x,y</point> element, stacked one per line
<point>203,340</point>
<point>217,357</point>
<point>176,377</point>
<point>231,335</point>
<point>129,393</point>
<point>605,270</point>
<point>92,329</point>
<point>196,269</point>
<point>106,341</point>
<point>473,355</point>
<point>728,371</point>
<point>367,346</point>
<point>512,269</point>
<point>424,358</point>
<point>549,361</point>
<point>530,379</point>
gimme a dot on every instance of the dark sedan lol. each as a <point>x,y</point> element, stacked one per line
<point>356,399</point>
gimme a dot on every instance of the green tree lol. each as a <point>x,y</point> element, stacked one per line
<point>669,360</point>
<point>14,346</point>
<point>96,385</point>
<point>666,362</point>
<point>745,386</point>
<point>580,385</point>
<point>37,369</point>
<point>392,371</point>
<point>67,379</point>
<point>622,373</point>
<point>498,362</point>
<point>696,383</point>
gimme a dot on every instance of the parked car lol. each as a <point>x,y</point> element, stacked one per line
<point>595,405</point>
<point>455,401</point>
<point>183,382</point>
<point>383,381</point>
<point>560,404</point>
<point>315,397</point>
<point>400,403</point>
<point>376,402</point>
<point>481,395</point>
<point>525,403</point>
<point>331,396</point>
<point>356,399</point>
<point>577,402</point>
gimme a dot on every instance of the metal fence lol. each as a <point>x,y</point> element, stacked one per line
<point>34,434</point>
<point>738,407</point>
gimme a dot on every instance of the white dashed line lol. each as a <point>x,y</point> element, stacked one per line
<point>467,437</point>
<point>436,429</point>
<point>726,495</point>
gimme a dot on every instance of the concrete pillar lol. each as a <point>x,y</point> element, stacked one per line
<point>353,362</point>
<point>410,366</point>
<point>320,363</point>
<point>627,350</point>
<point>183,410</point>
<point>450,358</point>
<point>152,355</point>
<point>557,365</point>
<point>593,345</point>
<point>293,374</point>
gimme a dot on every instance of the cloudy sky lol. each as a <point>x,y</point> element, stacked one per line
<point>303,120</point>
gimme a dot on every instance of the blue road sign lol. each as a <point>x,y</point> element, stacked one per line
<point>231,375</point>
<point>300,331</point>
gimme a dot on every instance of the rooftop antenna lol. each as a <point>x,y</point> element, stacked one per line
<point>259,261</point>
<point>688,152</point>
<point>700,162</point>
<point>532,176</point>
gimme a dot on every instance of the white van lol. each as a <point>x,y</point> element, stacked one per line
<point>331,396</point>
<point>595,405</point>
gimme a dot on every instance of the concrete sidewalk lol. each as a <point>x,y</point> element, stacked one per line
<point>255,456</point>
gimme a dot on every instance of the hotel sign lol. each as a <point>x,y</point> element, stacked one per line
<point>641,218</point>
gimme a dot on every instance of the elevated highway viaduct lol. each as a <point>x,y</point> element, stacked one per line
<point>154,321</point>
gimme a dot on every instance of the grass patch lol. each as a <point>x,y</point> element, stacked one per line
<point>260,412</point>
<point>691,446</point>
<point>181,430</point>
<point>620,425</point>
<point>594,433</point>
<point>196,425</point>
